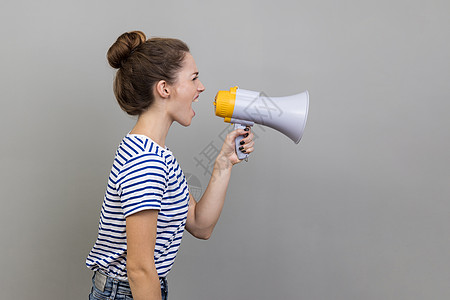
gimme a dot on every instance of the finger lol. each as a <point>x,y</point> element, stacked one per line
<point>245,142</point>
<point>245,147</point>
<point>249,150</point>
<point>235,133</point>
<point>247,139</point>
<point>248,146</point>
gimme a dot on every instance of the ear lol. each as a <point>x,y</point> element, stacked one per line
<point>162,89</point>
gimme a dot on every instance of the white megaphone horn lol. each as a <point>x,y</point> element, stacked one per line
<point>245,108</point>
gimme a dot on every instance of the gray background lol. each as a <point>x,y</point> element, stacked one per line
<point>358,210</point>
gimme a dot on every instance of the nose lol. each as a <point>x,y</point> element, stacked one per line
<point>201,87</point>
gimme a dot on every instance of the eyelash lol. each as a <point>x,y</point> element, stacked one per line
<point>195,78</point>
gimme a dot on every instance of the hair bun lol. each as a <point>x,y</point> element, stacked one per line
<point>119,52</point>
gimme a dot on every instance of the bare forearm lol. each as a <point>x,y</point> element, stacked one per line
<point>210,206</point>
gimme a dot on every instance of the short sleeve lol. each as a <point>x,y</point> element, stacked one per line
<point>142,182</point>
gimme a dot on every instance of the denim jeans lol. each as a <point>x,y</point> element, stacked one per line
<point>117,289</point>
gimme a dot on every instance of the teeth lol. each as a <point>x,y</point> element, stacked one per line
<point>195,100</point>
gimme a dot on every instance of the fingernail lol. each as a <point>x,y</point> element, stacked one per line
<point>241,148</point>
<point>247,129</point>
<point>246,135</point>
<point>242,142</point>
<point>243,151</point>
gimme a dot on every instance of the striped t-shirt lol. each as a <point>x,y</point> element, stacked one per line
<point>143,176</point>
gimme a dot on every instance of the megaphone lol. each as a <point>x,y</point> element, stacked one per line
<point>245,108</point>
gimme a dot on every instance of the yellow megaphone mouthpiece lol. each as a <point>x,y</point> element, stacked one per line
<point>224,103</point>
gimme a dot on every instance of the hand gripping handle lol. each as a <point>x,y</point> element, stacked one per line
<point>241,155</point>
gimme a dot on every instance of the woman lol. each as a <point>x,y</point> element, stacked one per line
<point>147,203</point>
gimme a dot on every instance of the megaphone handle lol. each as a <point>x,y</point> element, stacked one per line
<point>241,155</point>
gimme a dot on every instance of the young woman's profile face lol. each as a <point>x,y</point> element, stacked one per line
<point>187,88</point>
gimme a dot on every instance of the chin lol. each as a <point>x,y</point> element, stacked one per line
<point>185,123</point>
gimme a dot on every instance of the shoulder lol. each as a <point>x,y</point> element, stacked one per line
<point>133,146</point>
<point>138,154</point>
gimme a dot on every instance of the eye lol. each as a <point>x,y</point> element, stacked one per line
<point>195,78</point>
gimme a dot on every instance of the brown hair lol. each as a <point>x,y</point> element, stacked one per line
<point>142,63</point>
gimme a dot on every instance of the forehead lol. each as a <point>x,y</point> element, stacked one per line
<point>189,65</point>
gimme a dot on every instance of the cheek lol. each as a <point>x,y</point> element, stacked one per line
<point>184,91</point>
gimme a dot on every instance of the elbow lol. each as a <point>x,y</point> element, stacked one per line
<point>138,271</point>
<point>202,234</point>
<point>134,272</point>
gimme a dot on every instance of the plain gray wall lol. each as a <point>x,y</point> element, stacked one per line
<point>360,209</point>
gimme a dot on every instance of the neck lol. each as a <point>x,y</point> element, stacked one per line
<point>155,124</point>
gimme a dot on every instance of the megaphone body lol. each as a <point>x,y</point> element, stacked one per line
<point>245,108</point>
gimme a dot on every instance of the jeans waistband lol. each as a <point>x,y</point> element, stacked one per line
<point>100,281</point>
